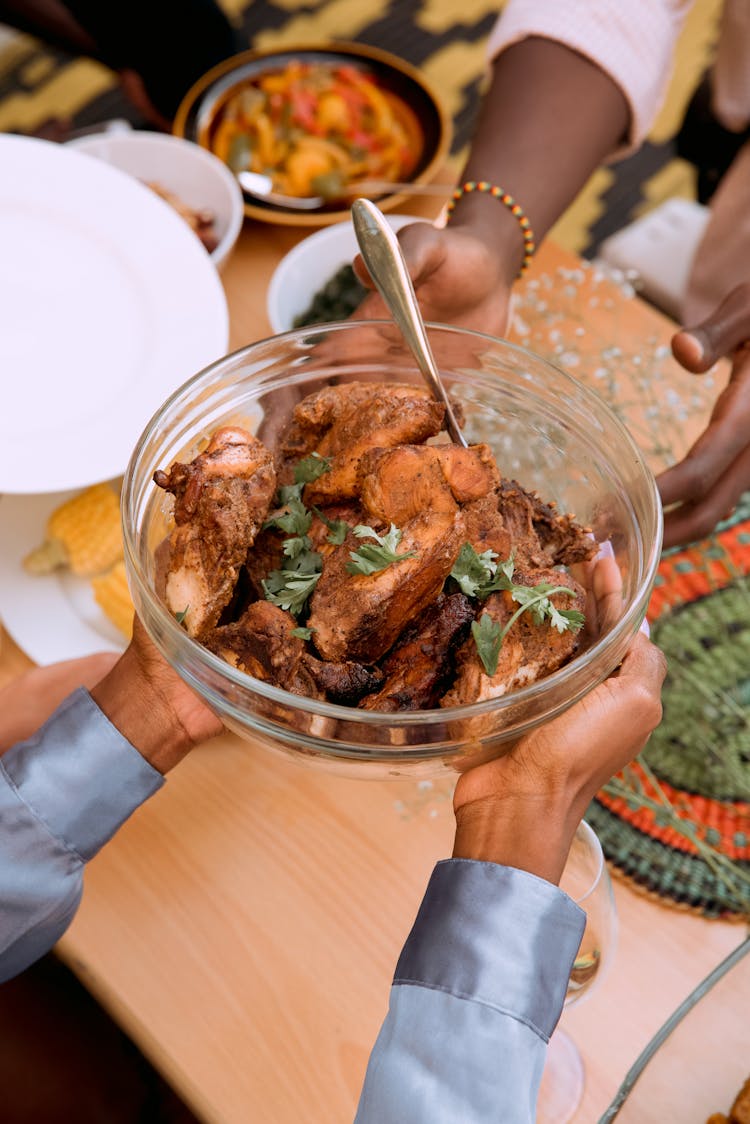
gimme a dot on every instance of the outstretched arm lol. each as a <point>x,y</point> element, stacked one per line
<point>481,981</point>
<point>66,789</point>
<point>570,84</point>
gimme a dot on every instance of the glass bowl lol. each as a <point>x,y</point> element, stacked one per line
<point>547,431</point>
<point>698,1061</point>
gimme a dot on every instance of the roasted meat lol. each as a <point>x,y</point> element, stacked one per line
<point>221,500</point>
<point>343,422</point>
<point>542,536</point>
<point>359,616</point>
<point>261,644</point>
<point>529,651</point>
<point>421,664</point>
<point>397,484</point>
<point>354,558</point>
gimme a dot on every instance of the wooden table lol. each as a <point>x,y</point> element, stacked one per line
<point>244,925</point>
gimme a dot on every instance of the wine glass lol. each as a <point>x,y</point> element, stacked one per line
<point>586,880</point>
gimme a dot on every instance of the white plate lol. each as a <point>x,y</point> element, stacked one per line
<point>52,617</point>
<point>108,303</point>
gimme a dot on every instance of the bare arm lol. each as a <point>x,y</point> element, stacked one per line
<point>549,118</point>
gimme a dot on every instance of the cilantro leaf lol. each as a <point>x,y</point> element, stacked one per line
<point>563,619</point>
<point>338,528</point>
<point>473,571</point>
<point>296,546</point>
<point>533,599</point>
<point>310,468</point>
<point>479,575</point>
<point>180,617</point>
<point>488,638</point>
<point>302,633</point>
<point>371,558</point>
<point>536,599</point>
<point>290,589</point>
<point>294,520</point>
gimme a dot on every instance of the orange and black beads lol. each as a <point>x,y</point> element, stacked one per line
<point>529,241</point>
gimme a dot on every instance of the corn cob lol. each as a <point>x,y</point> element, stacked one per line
<point>83,534</point>
<point>112,595</point>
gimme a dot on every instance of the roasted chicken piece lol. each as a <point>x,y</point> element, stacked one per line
<point>261,644</point>
<point>221,500</point>
<point>361,616</point>
<point>343,422</point>
<point>397,484</point>
<point>529,651</point>
<point>418,667</point>
<point>540,534</point>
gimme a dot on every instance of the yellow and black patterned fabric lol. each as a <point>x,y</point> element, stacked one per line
<point>447,41</point>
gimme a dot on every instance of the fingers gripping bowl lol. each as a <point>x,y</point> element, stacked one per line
<point>546,431</point>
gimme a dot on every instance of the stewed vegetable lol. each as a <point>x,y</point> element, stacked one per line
<point>315,128</point>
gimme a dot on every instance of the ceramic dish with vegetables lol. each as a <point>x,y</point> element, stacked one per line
<point>316,120</point>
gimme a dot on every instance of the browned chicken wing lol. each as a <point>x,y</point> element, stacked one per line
<point>529,651</point>
<point>397,484</point>
<point>361,616</point>
<point>343,422</point>
<point>417,669</point>
<point>221,500</point>
<point>261,644</point>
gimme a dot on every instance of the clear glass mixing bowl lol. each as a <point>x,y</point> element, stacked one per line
<point>548,432</point>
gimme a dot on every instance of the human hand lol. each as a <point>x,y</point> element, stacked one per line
<point>716,471</point>
<point>457,277</point>
<point>152,706</point>
<point>522,809</point>
<point>28,701</point>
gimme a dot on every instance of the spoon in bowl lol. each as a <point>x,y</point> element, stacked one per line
<point>382,255</point>
<point>261,187</point>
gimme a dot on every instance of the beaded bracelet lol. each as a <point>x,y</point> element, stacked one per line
<point>529,242</point>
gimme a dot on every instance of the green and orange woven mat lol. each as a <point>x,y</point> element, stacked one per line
<point>677,822</point>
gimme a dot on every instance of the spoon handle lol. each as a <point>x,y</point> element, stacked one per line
<point>382,255</point>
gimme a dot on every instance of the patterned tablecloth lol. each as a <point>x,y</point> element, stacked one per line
<point>678,822</point>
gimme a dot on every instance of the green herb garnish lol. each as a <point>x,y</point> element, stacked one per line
<point>291,586</point>
<point>488,638</point>
<point>302,633</point>
<point>474,572</point>
<point>310,468</point>
<point>372,557</point>
<point>295,519</point>
<point>478,575</point>
<point>180,617</point>
<point>338,528</point>
<point>290,589</point>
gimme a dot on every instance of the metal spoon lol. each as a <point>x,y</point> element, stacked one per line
<point>382,255</point>
<point>261,186</point>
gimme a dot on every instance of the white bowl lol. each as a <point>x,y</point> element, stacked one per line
<point>191,173</point>
<point>305,270</point>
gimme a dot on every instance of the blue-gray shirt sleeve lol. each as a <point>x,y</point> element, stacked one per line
<point>478,990</point>
<point>63,794</point>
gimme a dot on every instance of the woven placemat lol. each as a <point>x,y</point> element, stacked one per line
<point>677,823</point>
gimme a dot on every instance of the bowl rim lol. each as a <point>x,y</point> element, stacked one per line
<point>133,138</point>
<point>278,215</point>
<point>291,257</point>
<point>628,623</point>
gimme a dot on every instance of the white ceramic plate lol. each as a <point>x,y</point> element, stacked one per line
<point>108,303</point>
<point>54,617</point>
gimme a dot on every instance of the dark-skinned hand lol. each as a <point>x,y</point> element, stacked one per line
<point>706,485</point>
